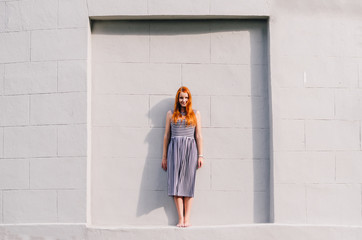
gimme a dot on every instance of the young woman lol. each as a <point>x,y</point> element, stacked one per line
<point>182,153</point>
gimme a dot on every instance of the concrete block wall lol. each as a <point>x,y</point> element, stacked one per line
<point>315,77</point>
<point>224,64</point>
<point>43,53</point>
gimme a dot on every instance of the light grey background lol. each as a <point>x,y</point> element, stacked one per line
<point>137,68</point>
<point>316,122</point>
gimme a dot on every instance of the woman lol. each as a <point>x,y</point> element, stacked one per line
<point>182,153</point>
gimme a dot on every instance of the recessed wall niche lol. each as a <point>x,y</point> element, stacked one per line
<point>137,67</point>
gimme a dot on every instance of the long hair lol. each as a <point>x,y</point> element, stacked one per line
<point>190,115</point>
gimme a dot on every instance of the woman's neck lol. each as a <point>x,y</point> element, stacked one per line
<point>183,109</point>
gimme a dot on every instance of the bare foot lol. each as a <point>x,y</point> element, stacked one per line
<point>180,223</point>
<point>187,224</point>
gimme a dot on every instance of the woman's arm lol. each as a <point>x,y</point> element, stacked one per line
<point>199,141</point>
<point>166,140</point>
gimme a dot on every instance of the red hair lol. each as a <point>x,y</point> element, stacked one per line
<point>190,115</point>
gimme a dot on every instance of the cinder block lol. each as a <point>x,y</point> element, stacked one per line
<point>332,135</point>
<point>132,38</point>
<point>14,47</point>
<point>290,203</point>
<point>223,79</point>
<point>348,167</point>
<point>228,207</point>
<point>30,141</point>
<point>72,206</point>
<point>126,78</point>
<point>236,143</point>
<point>203,176</point>
<point>334,204</point>
<point>127,142</point>
<point>232,174</point>
<point>159,106</point>
<point>233,42</point>
<point>72,13</point>
<point>128,174</point>
<point>202,104</point>
<point>14,173</point>
<point>72,140</point>
<point>304,167</point>
<point>116,7</point>
<point>316,35</point>
<point>34,14</point>
<point>58,108</point>
<point>72,76</point>
<point>14,110</point>
<point>30,206</point>
<point>2,16</point>
<point>49,45</point>
<point>332,72</point>
<point>174,7</point>
<point>13,16</point>
<point>138,208</point>
<point>259,7</point>
<point>120,110</point>
<point>294,70</point>
<point>348,103</point>
<point>312,103</point>
<point>289,135</point>
<point>58,173</point>
<point>239,111</point>
<point>25,78</point>
<point>179,42</point>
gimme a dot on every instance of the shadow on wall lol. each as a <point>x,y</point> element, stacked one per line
<point>260,104</point>
<point>153,189</point>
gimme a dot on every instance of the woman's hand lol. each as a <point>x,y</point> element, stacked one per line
<point>164,163</point>
<point>200,162</point>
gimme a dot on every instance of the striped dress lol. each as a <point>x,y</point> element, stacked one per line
<point>181,160</point>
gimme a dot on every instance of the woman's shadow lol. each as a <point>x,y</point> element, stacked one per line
<point>153,189</point>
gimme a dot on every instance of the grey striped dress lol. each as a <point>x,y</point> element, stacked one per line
<point>181,160</point>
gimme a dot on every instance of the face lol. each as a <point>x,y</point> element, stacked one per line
<point>183,99</point>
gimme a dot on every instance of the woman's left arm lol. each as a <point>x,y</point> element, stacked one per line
<point>199,142</point>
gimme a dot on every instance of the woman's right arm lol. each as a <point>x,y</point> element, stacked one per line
<point>166,140</point>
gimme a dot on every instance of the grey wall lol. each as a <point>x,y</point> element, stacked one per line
<point>137,68</point>
<point>315,90</point>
